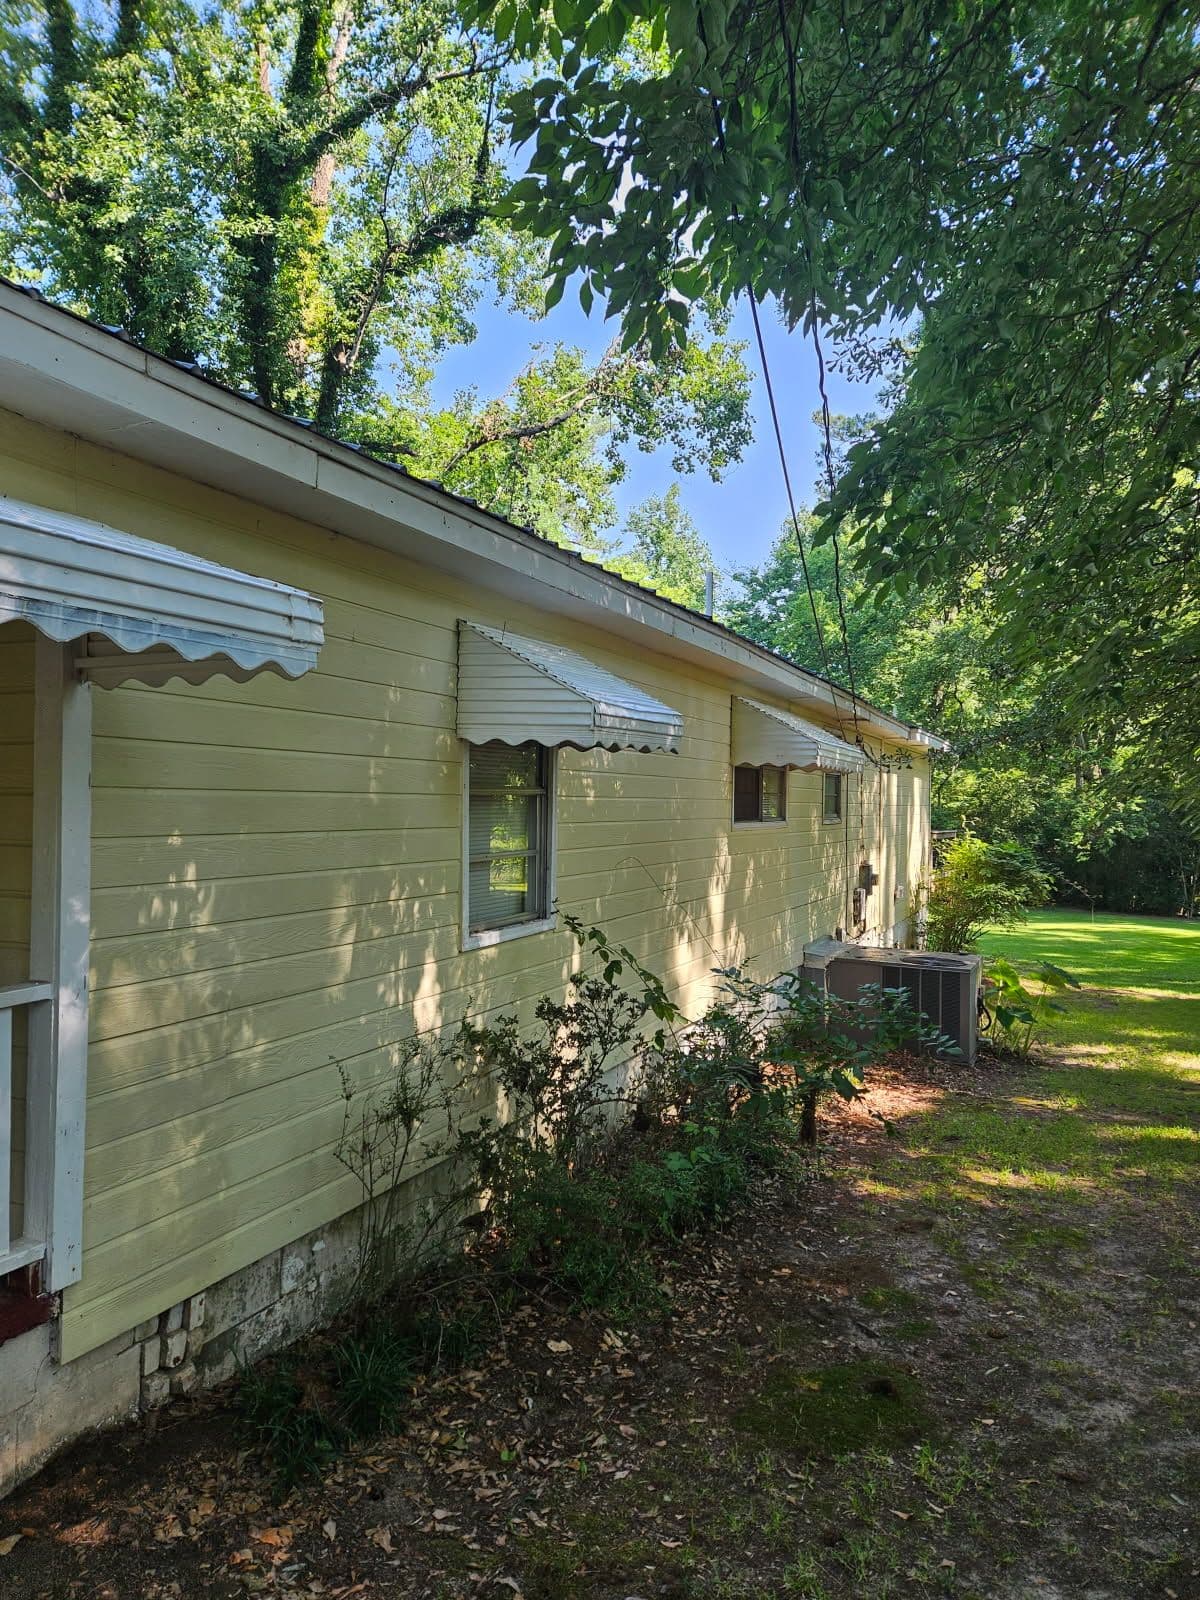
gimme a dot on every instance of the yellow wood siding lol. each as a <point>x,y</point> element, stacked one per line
<point>277,881</point>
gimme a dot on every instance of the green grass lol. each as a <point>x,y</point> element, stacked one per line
<point>1122,1107</point>
<point>1141,975</point>
<point>865,1478</point>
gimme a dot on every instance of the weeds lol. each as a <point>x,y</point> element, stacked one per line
<point>611,1133</point>
<point>1020,1012</point>
<point>281,1417</point>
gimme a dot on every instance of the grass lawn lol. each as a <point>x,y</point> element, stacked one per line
<point>1141,1001</point>
<point>1121,1103</point>
<point>958,1361</point>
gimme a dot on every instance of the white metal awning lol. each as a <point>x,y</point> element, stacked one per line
<point>764,736</point>
<point>168,614</point>
<point>513,688</point>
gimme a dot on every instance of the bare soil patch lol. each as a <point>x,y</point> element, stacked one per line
<point>903,1371</point>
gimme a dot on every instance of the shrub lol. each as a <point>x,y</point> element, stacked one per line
<point>1019,1012</point>
<point>826,1043</point>
<point>571,1199</point>
<point>389,1133</point>
<point>562,1190</point>
<point>979,886</point>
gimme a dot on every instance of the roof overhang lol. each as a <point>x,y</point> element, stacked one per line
<point>65,372</point>
<point>514,688</point>
<point>166,613</point>
<point>764,736</point>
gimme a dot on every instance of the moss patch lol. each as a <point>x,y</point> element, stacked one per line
<point>602,1552</point>
<point>890,1300</point>
<point>831,1411</point>
<point>913,1329</point>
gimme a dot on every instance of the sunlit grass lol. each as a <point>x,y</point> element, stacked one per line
<point>1140,1001</point>
<point>1118,1102</point>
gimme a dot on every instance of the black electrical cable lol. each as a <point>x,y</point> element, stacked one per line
<point>787,481</point>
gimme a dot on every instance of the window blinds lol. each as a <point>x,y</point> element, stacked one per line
<point>507,867</point>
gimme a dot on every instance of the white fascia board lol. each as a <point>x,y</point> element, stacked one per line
<point>62,371</point>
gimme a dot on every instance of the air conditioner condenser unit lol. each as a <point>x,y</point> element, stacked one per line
<point>942,985</point>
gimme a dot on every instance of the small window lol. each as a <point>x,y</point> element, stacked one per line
<point>508,871</point>
<point>833,797</point>
<point>759,794</point>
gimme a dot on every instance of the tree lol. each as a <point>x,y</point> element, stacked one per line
<point>1024,770</point>
<point>1020,186</point>
<point>551,450</point>
<point>666,551</point>
<point>301,196</point>
<point>772,605</point>
<point>253,188</point>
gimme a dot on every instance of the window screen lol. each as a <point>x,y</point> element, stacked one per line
<point>833,796</point>
<point>508,866</point>
<point>759,794</point>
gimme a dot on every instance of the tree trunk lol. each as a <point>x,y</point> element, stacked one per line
<point>808,1119</point>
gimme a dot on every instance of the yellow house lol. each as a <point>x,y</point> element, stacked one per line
<point>297,753</point>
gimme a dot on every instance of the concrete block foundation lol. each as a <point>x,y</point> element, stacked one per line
<point>192,1345</point>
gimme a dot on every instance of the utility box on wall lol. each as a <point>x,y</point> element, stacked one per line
<point>942,985</point>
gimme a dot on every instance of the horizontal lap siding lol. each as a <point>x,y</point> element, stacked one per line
<point>277,881</point>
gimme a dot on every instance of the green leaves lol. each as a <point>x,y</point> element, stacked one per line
<point>977,887</point>
<point>1018,188</point>
<point>1019,1008</point>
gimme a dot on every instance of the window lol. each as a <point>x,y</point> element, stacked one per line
<point>833,796</point>
<point>759,794</point>
<point>508,835</point>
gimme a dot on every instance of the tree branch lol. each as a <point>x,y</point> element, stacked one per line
<point>454,225</point>
<point>354,117</point>
<point>529,430</point>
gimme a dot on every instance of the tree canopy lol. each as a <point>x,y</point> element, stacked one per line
<point>665,550</point>
<point>995,209</point>
<point>1023,770</point>
<point>1017,188</point>
<point>303,197</point>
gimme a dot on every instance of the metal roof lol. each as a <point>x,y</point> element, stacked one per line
<point>71,577</point>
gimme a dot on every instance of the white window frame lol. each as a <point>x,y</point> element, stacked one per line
<point>759,821</point>
<point>840,812</point>
<point>56,996</point>
<point>484,938</point>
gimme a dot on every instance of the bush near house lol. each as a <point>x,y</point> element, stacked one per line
<point>977,887</point>
<point>623,1130</point>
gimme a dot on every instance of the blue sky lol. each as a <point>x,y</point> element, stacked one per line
<point>740,516</point>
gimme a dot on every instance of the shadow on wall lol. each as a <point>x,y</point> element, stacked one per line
<point>277,897</point>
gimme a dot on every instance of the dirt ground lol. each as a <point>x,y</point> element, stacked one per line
<point>958,1357</point>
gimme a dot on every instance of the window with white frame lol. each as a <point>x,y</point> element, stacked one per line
<point>508,835</point>
<point>760,794</point>
<point>832,796</point>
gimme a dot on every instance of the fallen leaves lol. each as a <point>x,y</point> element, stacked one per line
<point>277,1538</point>
<point>508,1460</point>
<point>91,1531</point>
